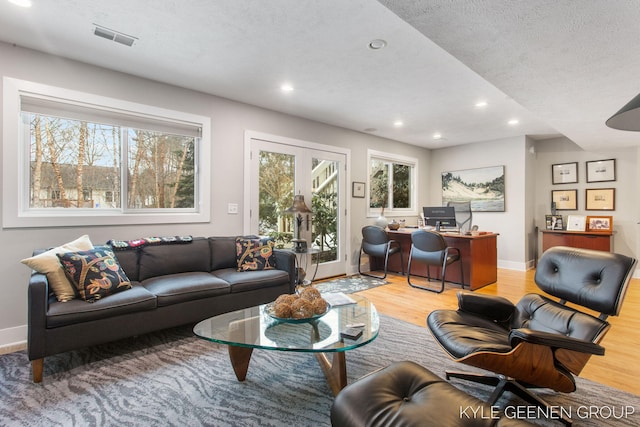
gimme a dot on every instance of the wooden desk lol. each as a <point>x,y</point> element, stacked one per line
<point>479,258</point>
<point>599,240</point>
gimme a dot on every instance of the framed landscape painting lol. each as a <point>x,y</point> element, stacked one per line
<point>483,187</point>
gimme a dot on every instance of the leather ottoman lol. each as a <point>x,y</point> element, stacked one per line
<point>406,394</point>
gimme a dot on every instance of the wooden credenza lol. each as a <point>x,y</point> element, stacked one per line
<point>479,258</point>
<point>599,240</point>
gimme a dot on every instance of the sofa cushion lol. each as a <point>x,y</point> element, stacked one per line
<point>135,300</point>
<point>180,287</point>
<point>242,281</point>
<point>95,273</point>
<point>49,264</point>
<point>161,260</point>
<point>223,251</point>
<point>128,260</point>
<point>254,254</point>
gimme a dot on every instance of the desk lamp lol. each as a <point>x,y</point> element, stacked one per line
<point>299,208</point>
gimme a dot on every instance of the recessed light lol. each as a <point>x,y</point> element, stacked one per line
<point>437,135</point>
<point>513,122</point>
<point>286,87</point>
<point>481,104</point>
<point>377,44</point>
<point>398,123</point>
<point>22,3</point>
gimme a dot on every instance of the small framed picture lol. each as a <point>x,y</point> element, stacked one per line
<point>553,222</point>
<point>576,222</point>
<point>564,173</point>
<point>600,223</point>
<point>357,189</point>
<point>565,199</point>
<point>600,199</point>
<point>601,170</point>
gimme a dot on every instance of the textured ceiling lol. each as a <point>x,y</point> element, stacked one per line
<point>572,63</point>
<point>559,67</point>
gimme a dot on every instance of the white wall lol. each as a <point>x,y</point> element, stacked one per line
<point>510,224</point>
<point>229,121</point>
<point>626,213</point>
<point>527,180</point>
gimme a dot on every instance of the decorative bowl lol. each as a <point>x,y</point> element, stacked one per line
<point>269,310</point>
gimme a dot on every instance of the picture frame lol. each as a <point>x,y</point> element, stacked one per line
<point>576,223</point>
<point>483,187</point>
<point>564,173</point>
<point>601,170</point>
<point>566,200</point>
<point>599,223</point>
<point>553,222</point>
<point>600,199</point>
<point>357,189</point>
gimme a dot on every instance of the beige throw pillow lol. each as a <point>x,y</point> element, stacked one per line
<point>49,264</point>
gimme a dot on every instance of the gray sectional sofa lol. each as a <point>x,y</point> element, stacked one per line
<point>172,285</point>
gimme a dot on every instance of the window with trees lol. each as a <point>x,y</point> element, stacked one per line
<point>392,183</point>
<point>89,156</point>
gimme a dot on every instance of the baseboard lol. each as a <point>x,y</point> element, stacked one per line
<point>13,339</point>
<point>514,265</point>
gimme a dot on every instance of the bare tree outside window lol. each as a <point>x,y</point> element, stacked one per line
<point>78,164</point>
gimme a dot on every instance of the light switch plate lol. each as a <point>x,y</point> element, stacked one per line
<point>232,208</point>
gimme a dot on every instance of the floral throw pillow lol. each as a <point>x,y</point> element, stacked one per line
<point>95,273</point>
<point>254,254</point>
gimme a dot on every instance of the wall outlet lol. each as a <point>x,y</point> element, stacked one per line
<point>232,208</point>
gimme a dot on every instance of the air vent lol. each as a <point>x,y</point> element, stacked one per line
<point>113,35</point>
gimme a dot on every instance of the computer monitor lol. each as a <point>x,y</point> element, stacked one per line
<point>445,216</point>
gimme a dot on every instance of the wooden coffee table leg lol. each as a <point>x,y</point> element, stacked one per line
<point>240,358</point>
<point>335,371</point>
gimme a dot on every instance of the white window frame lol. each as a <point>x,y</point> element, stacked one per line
<point>399,159</point>
<point>15,175</point>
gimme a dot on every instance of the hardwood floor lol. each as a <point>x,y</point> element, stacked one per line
<point>619,366</point>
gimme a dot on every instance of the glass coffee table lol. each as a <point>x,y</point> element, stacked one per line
<point>251,328</point>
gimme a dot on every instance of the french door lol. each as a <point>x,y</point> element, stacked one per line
<point>280,170</point>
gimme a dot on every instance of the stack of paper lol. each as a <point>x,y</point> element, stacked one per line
<point>338,298</point>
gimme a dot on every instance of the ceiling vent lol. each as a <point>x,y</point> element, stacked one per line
<point>116,36</point>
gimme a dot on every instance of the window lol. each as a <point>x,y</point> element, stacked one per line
<point>102,160</point>
<point>392,183</point>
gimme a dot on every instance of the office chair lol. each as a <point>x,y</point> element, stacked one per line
<point>431,248</point>
<point>464,215</point>
<point>376,243</point>
<point>538,342</point>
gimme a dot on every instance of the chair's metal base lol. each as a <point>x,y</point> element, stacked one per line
<point>502,384</point>
<point>373,275</point>
<point>424,288</point>
<point>386,263</point>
